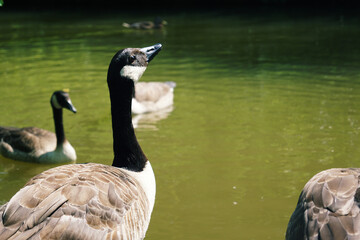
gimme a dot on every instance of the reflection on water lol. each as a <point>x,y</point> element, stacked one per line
<point>262,103</point>
<point>149,120</point>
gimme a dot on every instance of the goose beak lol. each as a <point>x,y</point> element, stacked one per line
<point>70,106</point>
<point>151,51</point>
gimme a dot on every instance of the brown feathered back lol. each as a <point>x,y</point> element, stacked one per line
<point>96,202</point>
<point>32,140</point>
<point>150,91</point>
<point>328,207</point>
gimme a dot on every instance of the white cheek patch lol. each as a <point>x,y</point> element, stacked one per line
<point>55,102</point>
<point>132,72</point>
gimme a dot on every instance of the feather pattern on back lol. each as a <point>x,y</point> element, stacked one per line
<point>30,140</point>
<point>328,207</point>
<point>96,202</point>
<point>152,96</point>
<point>151,91</point>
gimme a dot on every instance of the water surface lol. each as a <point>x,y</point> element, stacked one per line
<point>262,104</point>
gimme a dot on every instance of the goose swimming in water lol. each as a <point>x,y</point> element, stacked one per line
<point>152,96</point>
<point>32,144</point>
<point>328,207</point>
<point>158,23</point>
<point>93,201</point>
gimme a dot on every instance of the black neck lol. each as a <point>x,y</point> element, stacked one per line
<point>59,127</point>
<point>127,151</point>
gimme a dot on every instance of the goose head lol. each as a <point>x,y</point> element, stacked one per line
<point>61,99</point>
<point>131,63</point>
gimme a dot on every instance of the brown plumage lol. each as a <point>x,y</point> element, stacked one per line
<point>28,139</point>
<point>328,207</point>
<point>152,96</point>
<point>151,91</point>
<point>95,202</point>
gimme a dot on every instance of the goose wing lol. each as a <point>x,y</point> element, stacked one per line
<point>77,201</point>
<point>328,207</point>
<point>27,139</point>
<point>151,91</point>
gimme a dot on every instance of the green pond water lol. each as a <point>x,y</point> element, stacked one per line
<point>262,103</point>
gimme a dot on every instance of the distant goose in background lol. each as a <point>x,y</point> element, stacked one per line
<point>328,207</point>
<point>32,144</point>
<point>158,23</point>
<point>93,201</point>
<point>152,96</point>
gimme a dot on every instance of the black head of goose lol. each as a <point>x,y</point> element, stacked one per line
<point>93,201</point>
<point>34,144</point>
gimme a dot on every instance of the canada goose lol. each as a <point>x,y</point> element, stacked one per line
<point>328,207</point>
<point>93,201</point>
<point>152,96</point>
<point>158,23</point>
<point>32,144</point>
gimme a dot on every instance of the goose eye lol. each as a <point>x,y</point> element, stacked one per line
<point>132,58</point>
